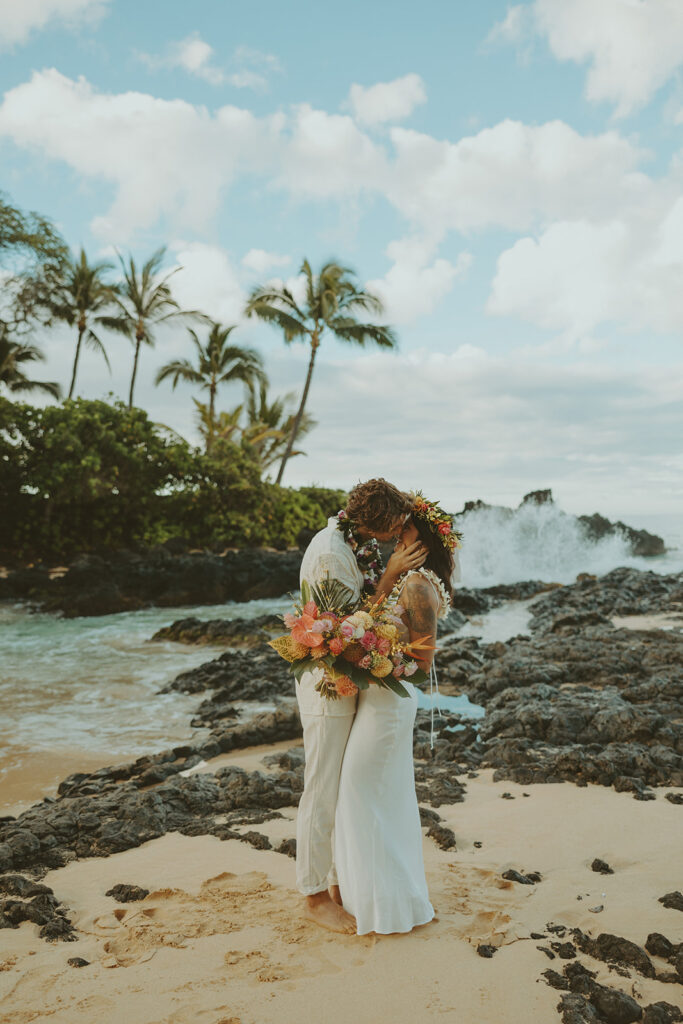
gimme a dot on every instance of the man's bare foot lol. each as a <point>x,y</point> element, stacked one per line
<point>335,895</point>
<point>321,909</point>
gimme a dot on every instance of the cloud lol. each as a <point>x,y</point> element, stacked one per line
<point>466,424</point>
<point>261,261</point>
<point>416,282</point>
<point>328,157</point>
<point>164,157</point>
<point>250,68</point>
<point>513,175</point>
<point>20,18</point>
<point>601,238</point>
<point>632,48</point>
<point>193,55</point>
<point>576,276</point>
<point>207,281</point>
<point>387,101</point>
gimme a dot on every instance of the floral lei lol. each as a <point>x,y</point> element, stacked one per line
<point>367,552</point>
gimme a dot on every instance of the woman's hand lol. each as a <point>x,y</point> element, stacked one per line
<point>404,559</point>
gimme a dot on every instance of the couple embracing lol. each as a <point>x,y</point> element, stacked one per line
<point>359,841</point>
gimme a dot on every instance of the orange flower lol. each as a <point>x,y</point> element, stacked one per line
<point>303,633</point>
<point>353,653</point>
<point>345,687</point>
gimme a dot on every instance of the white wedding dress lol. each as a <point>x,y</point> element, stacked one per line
<point>377,832</point>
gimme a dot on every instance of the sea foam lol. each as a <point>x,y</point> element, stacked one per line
<point>540,542</point>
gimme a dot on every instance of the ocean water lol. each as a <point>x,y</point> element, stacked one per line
<point>80,693</point>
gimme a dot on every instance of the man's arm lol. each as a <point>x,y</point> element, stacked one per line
<point>328,567</point>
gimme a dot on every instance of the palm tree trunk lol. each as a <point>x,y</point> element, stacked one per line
<point>212,415</point>
<point>297,422</point>
<point>81,331</point>
<point>138,342</point>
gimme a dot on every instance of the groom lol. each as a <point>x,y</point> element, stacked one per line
<point>345,550</point>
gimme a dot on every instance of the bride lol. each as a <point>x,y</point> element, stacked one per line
<point>378,837</point>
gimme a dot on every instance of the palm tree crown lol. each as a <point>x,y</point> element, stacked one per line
<point>79,299</point>
<point>13,356</point>
<point>144,301</point>
<point>217,362</point>
<point>332,303</point>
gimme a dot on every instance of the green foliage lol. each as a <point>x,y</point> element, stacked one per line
<point>287,512</point>
<point>89,475</point>
<point>83,475</point>
<point>31,255</point>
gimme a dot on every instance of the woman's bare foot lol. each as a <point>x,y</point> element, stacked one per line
<point>335,895</point>
<point>321,909</point>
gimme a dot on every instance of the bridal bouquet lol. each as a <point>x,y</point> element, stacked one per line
<point>354,648</point>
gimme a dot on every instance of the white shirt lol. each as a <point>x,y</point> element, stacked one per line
<point>329,556</point>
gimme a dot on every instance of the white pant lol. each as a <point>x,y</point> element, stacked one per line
<point>326,724</point>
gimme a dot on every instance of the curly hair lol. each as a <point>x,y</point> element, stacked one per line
<point>439,559</point>
<point>377,504</point>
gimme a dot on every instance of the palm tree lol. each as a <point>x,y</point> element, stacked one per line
<point>217,362</point>
<point>331,304</point>
<point>269,426</point>
<point>79,299</point>
<point>221,427</point>
<point>13,355</point>
<point>143,302</point>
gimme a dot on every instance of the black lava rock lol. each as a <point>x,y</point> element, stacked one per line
<point>123,893</point>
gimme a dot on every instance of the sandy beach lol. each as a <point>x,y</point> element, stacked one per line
<point>220,937</point>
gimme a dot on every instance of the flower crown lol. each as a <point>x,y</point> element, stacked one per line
<point>438,521</point>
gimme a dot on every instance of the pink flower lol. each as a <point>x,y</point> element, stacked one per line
<point>327,622</point>
<point>336,645</point>
<point>290,620</point>
<point>445,528</point>
<point>311,609</point>
<point>365,661</point>
<point>398,671</point>
<point>383,645</point>
<point>347,629</point>
<point>410,669</point>
<point>369,640</point>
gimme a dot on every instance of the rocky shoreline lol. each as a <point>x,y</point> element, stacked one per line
<point>125,581</point>
<point>574,700</point>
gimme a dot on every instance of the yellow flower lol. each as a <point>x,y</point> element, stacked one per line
<point>361,618</point>
<point>386,631</point>
<point>381,666</point>
<point>289,649</point>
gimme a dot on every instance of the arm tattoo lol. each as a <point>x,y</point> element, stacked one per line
<point>420,602</point>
